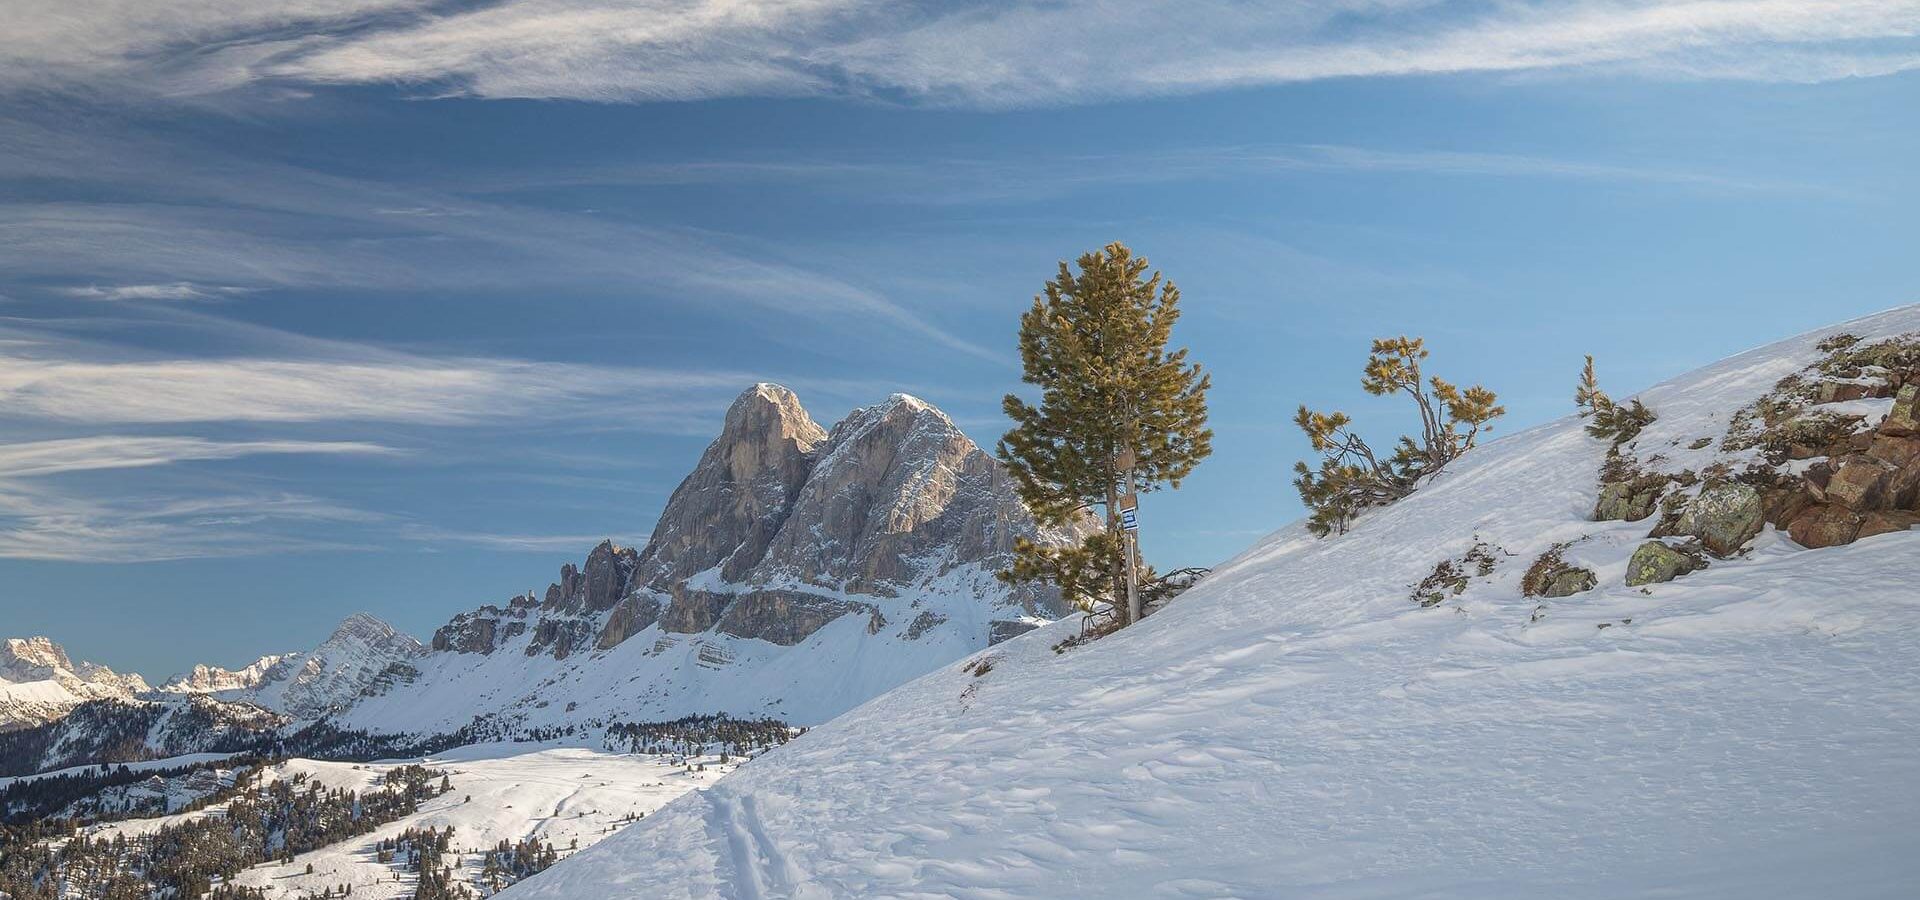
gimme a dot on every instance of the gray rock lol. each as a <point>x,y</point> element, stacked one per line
<point>1006,630</point>
<point>1628,501</point>
<point>1724,517</point>
<point>1569,581</point>
<point>1655,562</point>
<point>733,503</point>
<point>632,615</point>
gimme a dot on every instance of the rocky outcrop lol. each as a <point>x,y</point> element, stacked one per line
<point>783,617</point>
<point>632,615</point>
<point>1724,517</point>
<point>729,509</point>
<point>1629,501</point>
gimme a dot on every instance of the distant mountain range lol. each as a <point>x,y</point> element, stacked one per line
<point>795,573</point>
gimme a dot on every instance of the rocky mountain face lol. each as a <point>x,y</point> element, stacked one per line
<point>893,520</point>
<point>358,655</point>
<point>783,527</point>
<point>40,683</point>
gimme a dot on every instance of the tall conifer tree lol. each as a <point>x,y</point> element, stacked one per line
<point>1095,343</point>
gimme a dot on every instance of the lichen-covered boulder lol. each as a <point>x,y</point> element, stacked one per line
<point>1904,419</point>
<point>1724,517</point>
<point>1655,562</point>
<point>1627,501</point>
<point>1827,525</point>
<point>1903,487</point>
<point>1569,581</point>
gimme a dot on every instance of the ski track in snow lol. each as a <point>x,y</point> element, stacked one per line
<point>1296,727</point>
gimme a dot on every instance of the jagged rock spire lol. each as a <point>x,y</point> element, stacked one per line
<point>728,510</point>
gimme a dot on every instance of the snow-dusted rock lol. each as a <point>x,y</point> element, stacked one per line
<point>40,683</point>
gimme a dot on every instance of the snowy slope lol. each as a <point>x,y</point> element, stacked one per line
<point>1295,726</point>
<point>658,675</point>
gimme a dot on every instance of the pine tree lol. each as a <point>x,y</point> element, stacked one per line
<point>1095,343</point>
<point>1351,476</point>
<point>1616,422</point>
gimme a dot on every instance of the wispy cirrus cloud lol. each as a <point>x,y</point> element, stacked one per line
<point>51,374</point>
<point>190,220</point>
<point>29,459</point>
<point>179,290</point>
<point>44,516</point>
<point>1014,53</point>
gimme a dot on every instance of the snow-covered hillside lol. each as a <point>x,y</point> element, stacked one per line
<point>1298,725</point>
<point>569,796</point>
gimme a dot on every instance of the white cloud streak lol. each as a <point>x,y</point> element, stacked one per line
<point>44,517</point>
<point>179,290</point>
<point>53,457</point>
<point>194,216</point>
<point>984,53</point>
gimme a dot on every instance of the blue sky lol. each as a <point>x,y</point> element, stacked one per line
<point>395,306</point>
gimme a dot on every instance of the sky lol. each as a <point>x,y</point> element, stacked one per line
<point>396,305</point>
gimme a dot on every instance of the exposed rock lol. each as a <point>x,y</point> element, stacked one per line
<point>59,683</point>
<point>923,623</point>
<point>1724,517</point>
<point>1006,630</point>
<point>782,617</point>
<point>1826,525</point>
<point>895,496</point>
<point>1904,419</point>
<point>1629,501</point>
<point>1842,391</point>
<point>1897,451</point>
<point>1569,581</point>
<point>1859,481</point>
<point>692,612</point>
<point>1886,522</point>
<point>1780,504</point>
<point>476,634</point>
<point>630,616</point>
<point>1655,562</point>
<point>732,505</point>
<point>1903,487</point>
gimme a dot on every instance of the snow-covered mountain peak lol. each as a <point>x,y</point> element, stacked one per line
<point>364,630</point>
<point>795,572</point>
<point>32,659</point>
<point>39,682</point>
